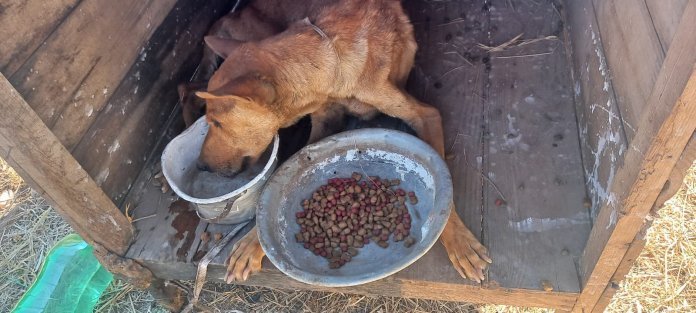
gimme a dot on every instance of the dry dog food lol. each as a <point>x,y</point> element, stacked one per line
<point>348,213</point>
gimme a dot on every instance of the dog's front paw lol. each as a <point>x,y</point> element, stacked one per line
<point>245,258</point>
<point>469,257</point>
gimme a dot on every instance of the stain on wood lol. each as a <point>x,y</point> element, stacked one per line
<point>185,219</point>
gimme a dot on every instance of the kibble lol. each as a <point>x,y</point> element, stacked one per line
<point>347,213</point>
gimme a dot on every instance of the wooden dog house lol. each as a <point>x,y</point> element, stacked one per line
<point>567,123</point>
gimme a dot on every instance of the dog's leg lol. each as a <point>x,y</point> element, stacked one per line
<point>326,122</point>
<point>466,253</point>
<point>245,258</point>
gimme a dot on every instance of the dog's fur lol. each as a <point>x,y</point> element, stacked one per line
<point>330,57</point>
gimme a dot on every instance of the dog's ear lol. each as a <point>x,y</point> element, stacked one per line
<point>222,47</point>
<point>207,95</point>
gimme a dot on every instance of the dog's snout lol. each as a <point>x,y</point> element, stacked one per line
<point>202,166</point>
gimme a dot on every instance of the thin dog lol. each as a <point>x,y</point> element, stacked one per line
<point>331,57</point>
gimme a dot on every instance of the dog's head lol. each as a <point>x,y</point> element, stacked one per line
<point>240,124</point>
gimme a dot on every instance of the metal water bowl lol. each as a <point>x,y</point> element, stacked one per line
<point>374,152</point>
<point>218,199</point>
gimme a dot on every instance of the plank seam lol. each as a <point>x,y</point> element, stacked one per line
<point>657,34</point>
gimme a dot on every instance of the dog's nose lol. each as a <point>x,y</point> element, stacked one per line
<point>202,166</point>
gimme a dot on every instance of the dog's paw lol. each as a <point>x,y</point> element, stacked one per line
<point>469,257</point>
<point>245,258</point>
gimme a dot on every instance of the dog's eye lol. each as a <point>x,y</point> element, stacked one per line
<point>216,123</point>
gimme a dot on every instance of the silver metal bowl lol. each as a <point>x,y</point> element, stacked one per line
<point>218,199</point>
<point>374,152</point>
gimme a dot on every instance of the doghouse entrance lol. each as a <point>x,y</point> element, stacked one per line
<point>502,82</point>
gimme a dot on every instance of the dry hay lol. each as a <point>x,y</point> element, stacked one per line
<point>12,189</point>
<point>663,279</point>
<point>24,242</point>
<point>514,42</point>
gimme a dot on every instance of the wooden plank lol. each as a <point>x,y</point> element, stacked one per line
<point>675,181</point>
<point>602,139</point>
<point>24,25</point>
<point>665,127</point>
<point>449,74</point>
<point>634,55</point>
<point>45,161</point>
<point>168,229</point>
<point>391,287</point>
<point>70,77</point>
<point>413,282</point>
<point>117,145</point>
<point>535,224</point>
<point>622,270</point>
<point>676,178</point>
<point>665,17</point>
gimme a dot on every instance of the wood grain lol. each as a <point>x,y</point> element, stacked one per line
<point>664,130</point>
<point>45,161</point>
<point>535,222</point>
<point>666,16</point>
<point>24,25</point>
<point>634,55</point>
<point>602,138</point>
<point>139,113</point>
<point>70,77</point>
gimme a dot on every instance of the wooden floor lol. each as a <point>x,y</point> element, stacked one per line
<point>513,151</point>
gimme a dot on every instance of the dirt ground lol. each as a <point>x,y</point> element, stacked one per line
<point>662,279</point>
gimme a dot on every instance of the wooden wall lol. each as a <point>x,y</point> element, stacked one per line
<point>618,49</point>
<point>102,74</point>
<point>635,91</point>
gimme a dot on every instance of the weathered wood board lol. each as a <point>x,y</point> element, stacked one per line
<point>41,158</point>
<point>169,244</point>
<point>535,222</point>
<point>67,86</point>
<point>602,137</point>
<point>449,74</point>
<point>665,130</point>
<point>25,25</point>
<point>120,141</point>
<point>634,55</point>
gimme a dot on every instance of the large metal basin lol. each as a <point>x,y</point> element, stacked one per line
<point>375,152</point>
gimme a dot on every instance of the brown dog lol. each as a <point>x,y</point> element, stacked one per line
<point>356,53</point>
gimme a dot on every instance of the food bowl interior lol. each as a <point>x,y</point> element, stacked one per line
<point>179,166</point>
<point>371,152</point>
